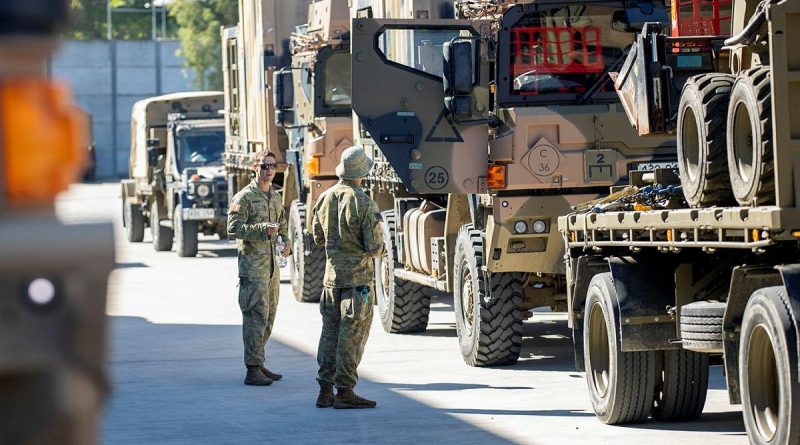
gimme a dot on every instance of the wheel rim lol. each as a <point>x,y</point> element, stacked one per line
<point>467,299</point>
<point>743,142</point>
<point>690,145</point>
<point>763,383</point>
<point>383,274</point>
<point>298,252</point>
<point>599,353</point>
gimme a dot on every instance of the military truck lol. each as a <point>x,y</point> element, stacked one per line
<point>176,183</point>
<point>658,290</point>
<point>54,276</point>
<point>481,150</point>
<point>312,102</point>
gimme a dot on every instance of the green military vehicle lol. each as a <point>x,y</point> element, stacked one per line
<point>177,185</point>
<point>54,276</point>
<point>312,102</point>
<point>479,152</point>
<point>681,270</point>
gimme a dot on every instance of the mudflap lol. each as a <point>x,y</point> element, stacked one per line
<point>645,292</point>
<point>744,281</point>
<point>586,267</point>
<point>791,280</point>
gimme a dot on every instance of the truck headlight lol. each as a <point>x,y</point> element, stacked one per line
<point>203,190</point>
<point>520,227</point>
<point>539,226</point>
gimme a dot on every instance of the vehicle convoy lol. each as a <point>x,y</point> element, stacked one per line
<point>479,153</point>
<point>54,276</point>
<point>176,185</point>
<point>312,102</point>
<point>658,289</point>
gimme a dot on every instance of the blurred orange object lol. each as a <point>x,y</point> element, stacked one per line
<point>42,140</point>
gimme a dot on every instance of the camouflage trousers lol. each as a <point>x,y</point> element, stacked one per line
<point>258,300</point>
<point>346,319</point>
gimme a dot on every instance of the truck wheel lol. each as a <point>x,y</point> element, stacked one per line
<point>308,262</point>
<point>185,234</point>
<point>701,326</point>
<point>404,306</point>
<point>749,139</point>
<point>768,369</point>
<point>488,306</point>
<point>162,236</point>
<point>681,385</point>
<point>621,384</point>
<point>702,114</point>
<point>133,220</point>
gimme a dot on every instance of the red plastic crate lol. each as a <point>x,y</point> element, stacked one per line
<point>556,50</point>
<point>701,17</point>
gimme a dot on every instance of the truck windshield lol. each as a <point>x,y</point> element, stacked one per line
<point>337,81</point>
<point>200,147</point>
<point>565,48</point>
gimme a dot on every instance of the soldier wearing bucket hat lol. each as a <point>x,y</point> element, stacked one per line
<point>347,223</point>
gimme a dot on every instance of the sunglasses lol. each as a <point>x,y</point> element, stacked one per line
<point>268,166</point>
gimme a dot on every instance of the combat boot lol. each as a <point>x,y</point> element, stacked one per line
<point>271,375</point>
<point>325,397</point>
<point>255,377</point>
<point>347,399</point>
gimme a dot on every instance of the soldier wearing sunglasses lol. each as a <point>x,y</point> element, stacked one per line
<point>255,219</point>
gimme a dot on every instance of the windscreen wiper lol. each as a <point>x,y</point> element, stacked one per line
<point>599,83</point>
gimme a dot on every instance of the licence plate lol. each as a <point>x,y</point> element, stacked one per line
<point>654,165</point>
<point>194,214</point>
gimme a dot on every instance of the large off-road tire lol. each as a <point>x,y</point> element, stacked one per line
<point>681,385</point>
<point>404,306</point>
<point>185,234</point>
<point>133,220</point>
<point>749,139</point>
<point>621,384</point>
<point>162,236</point>
<point>768,369</point>
<point>308,260</point>
<point>488,306</point>
<point>702,163</point>
<point>701,326</point>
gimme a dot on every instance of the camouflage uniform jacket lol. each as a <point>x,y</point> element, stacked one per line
<point>248,215</point>
<point>347,222</point>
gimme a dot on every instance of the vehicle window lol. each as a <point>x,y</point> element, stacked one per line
<point>564,48</point>
<point>419,49</point>
<point>337,81</point>
<point>199,148</point>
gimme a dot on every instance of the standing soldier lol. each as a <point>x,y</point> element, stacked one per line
<point>347,222</point>
<point>255,219</point>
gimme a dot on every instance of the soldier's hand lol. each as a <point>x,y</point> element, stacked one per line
<point>272,229</point>
<point>286,251</point>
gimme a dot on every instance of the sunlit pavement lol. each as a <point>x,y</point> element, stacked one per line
<point>175,360</point>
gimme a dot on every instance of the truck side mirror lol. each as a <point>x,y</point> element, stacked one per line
<point>460,74</point>
<point>283,96</point>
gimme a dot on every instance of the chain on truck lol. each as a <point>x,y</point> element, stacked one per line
<point>480,152</point>
<point>676,271</point>
<point>176,182</point>
<point>54,276</point>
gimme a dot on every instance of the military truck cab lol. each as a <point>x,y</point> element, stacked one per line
<point>177,183</point>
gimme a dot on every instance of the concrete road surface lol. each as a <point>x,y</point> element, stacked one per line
<point>176,367</point>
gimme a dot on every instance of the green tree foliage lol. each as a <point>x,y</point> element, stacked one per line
<point>89,18</point>
<point>199,22</point>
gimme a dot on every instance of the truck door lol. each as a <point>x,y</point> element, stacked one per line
<point>398,95</point>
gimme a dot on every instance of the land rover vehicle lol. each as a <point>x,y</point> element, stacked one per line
<point>177,184</point>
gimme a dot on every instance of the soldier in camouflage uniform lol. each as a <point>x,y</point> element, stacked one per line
<point>255,219</point>
<point>347,223</point>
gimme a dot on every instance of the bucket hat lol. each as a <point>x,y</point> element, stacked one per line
<point>354,164</point>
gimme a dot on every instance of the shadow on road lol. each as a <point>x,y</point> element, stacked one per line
<point>183,384</point>
<point>720,422</point>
